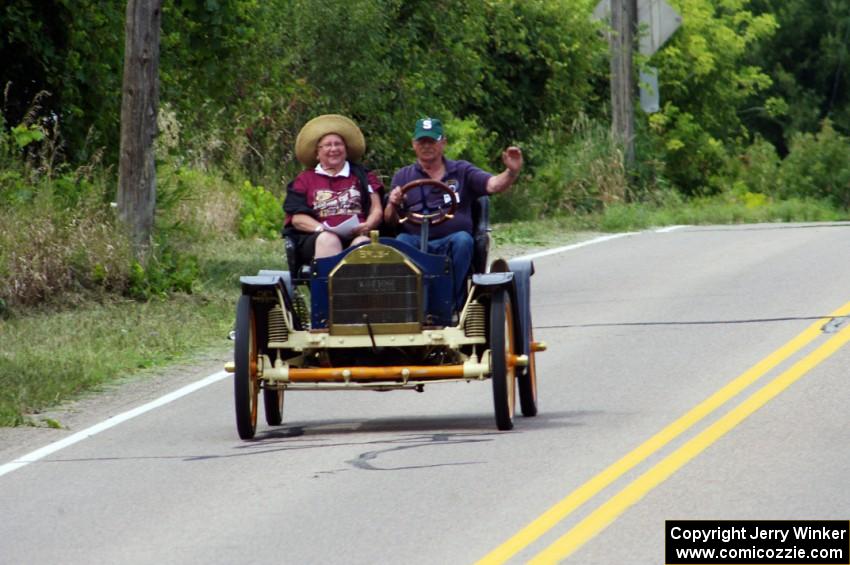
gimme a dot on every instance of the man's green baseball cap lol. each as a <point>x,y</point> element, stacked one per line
<point>428,127</point>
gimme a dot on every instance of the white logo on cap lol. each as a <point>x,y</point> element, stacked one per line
<point>426,124</point>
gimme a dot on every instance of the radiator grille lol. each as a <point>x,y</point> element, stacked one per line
<point>387,293</point>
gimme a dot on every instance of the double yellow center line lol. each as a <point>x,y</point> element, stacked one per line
<point>629,495</point>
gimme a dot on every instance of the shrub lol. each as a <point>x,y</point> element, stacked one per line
<point>758,168</point>
<point>693,157</point>
<point>260,214</point>
<point>818,166</point>
<point>165,271</point>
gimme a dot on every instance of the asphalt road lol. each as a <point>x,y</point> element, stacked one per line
<point>688,377</point>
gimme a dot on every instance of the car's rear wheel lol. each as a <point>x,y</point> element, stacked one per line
<point>245,383</point>
<point>273,403</point>
<point>528,380</point>
<point>502,357</point>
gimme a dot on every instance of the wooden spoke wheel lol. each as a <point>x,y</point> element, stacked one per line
<point>503,372</point>
<point>246,385</point>
<point>419,212</point>
<point>273,403</point>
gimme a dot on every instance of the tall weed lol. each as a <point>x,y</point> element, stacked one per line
<point>61,240</point>
<point>45,253</point>
<point>201,203</point>
<point>575,170</point>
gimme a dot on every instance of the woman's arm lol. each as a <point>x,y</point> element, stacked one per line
<point>306,223</point>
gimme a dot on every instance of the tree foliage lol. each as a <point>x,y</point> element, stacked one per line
<point>809,60</point>
<point>755,109</point>
<point>705,80</point>
<point>240,77</point>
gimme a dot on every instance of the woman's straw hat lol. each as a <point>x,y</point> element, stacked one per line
<point>314,130</point>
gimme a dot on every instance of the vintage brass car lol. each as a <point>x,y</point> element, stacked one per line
<point>379,316</point>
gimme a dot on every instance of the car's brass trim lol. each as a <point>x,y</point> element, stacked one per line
<point>471,369</point>
<point>375,254</point>
<point>377,329</point>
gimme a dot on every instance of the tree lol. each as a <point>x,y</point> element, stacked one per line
<point>139,106</point>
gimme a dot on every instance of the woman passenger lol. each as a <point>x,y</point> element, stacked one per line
<point>334,188</point>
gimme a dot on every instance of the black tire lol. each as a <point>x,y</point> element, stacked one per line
<point>527,380</point>
<point>273,403</point>
<point>245,383</point>
<point>503,372</point>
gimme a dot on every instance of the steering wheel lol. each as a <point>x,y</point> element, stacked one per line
<point>420,212</point>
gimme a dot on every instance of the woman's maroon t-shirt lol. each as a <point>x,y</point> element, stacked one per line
<point>334,199</point>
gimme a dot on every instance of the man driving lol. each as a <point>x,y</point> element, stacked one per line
<point>452,237</point>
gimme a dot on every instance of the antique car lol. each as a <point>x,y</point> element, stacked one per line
<point>381,316</point>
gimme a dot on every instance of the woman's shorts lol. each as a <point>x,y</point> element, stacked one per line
<point>305,246</point>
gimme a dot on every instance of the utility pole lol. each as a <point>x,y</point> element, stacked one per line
<point>622,44</point>
<point>139,107</point>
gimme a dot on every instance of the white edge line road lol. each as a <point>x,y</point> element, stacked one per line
<point>668,229</point>
<point>34,456</point>
<point>578,245</point>
<point>43,452</point>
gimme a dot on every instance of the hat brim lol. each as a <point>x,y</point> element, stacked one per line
<point>430,134</point>
<point>320,126</point>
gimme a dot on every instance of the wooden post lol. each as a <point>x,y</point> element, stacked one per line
<point>139,106</point>
<point>623,23</point>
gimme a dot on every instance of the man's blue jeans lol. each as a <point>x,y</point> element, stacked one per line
<point>459,247</point>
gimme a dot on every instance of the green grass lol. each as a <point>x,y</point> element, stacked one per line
<point>50,356</point>
<point>718,210</point>
<point>630,217</point>
<point>518,237</point>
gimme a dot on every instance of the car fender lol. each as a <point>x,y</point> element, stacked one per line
<point>523,269</point>
<point>264,286</point>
